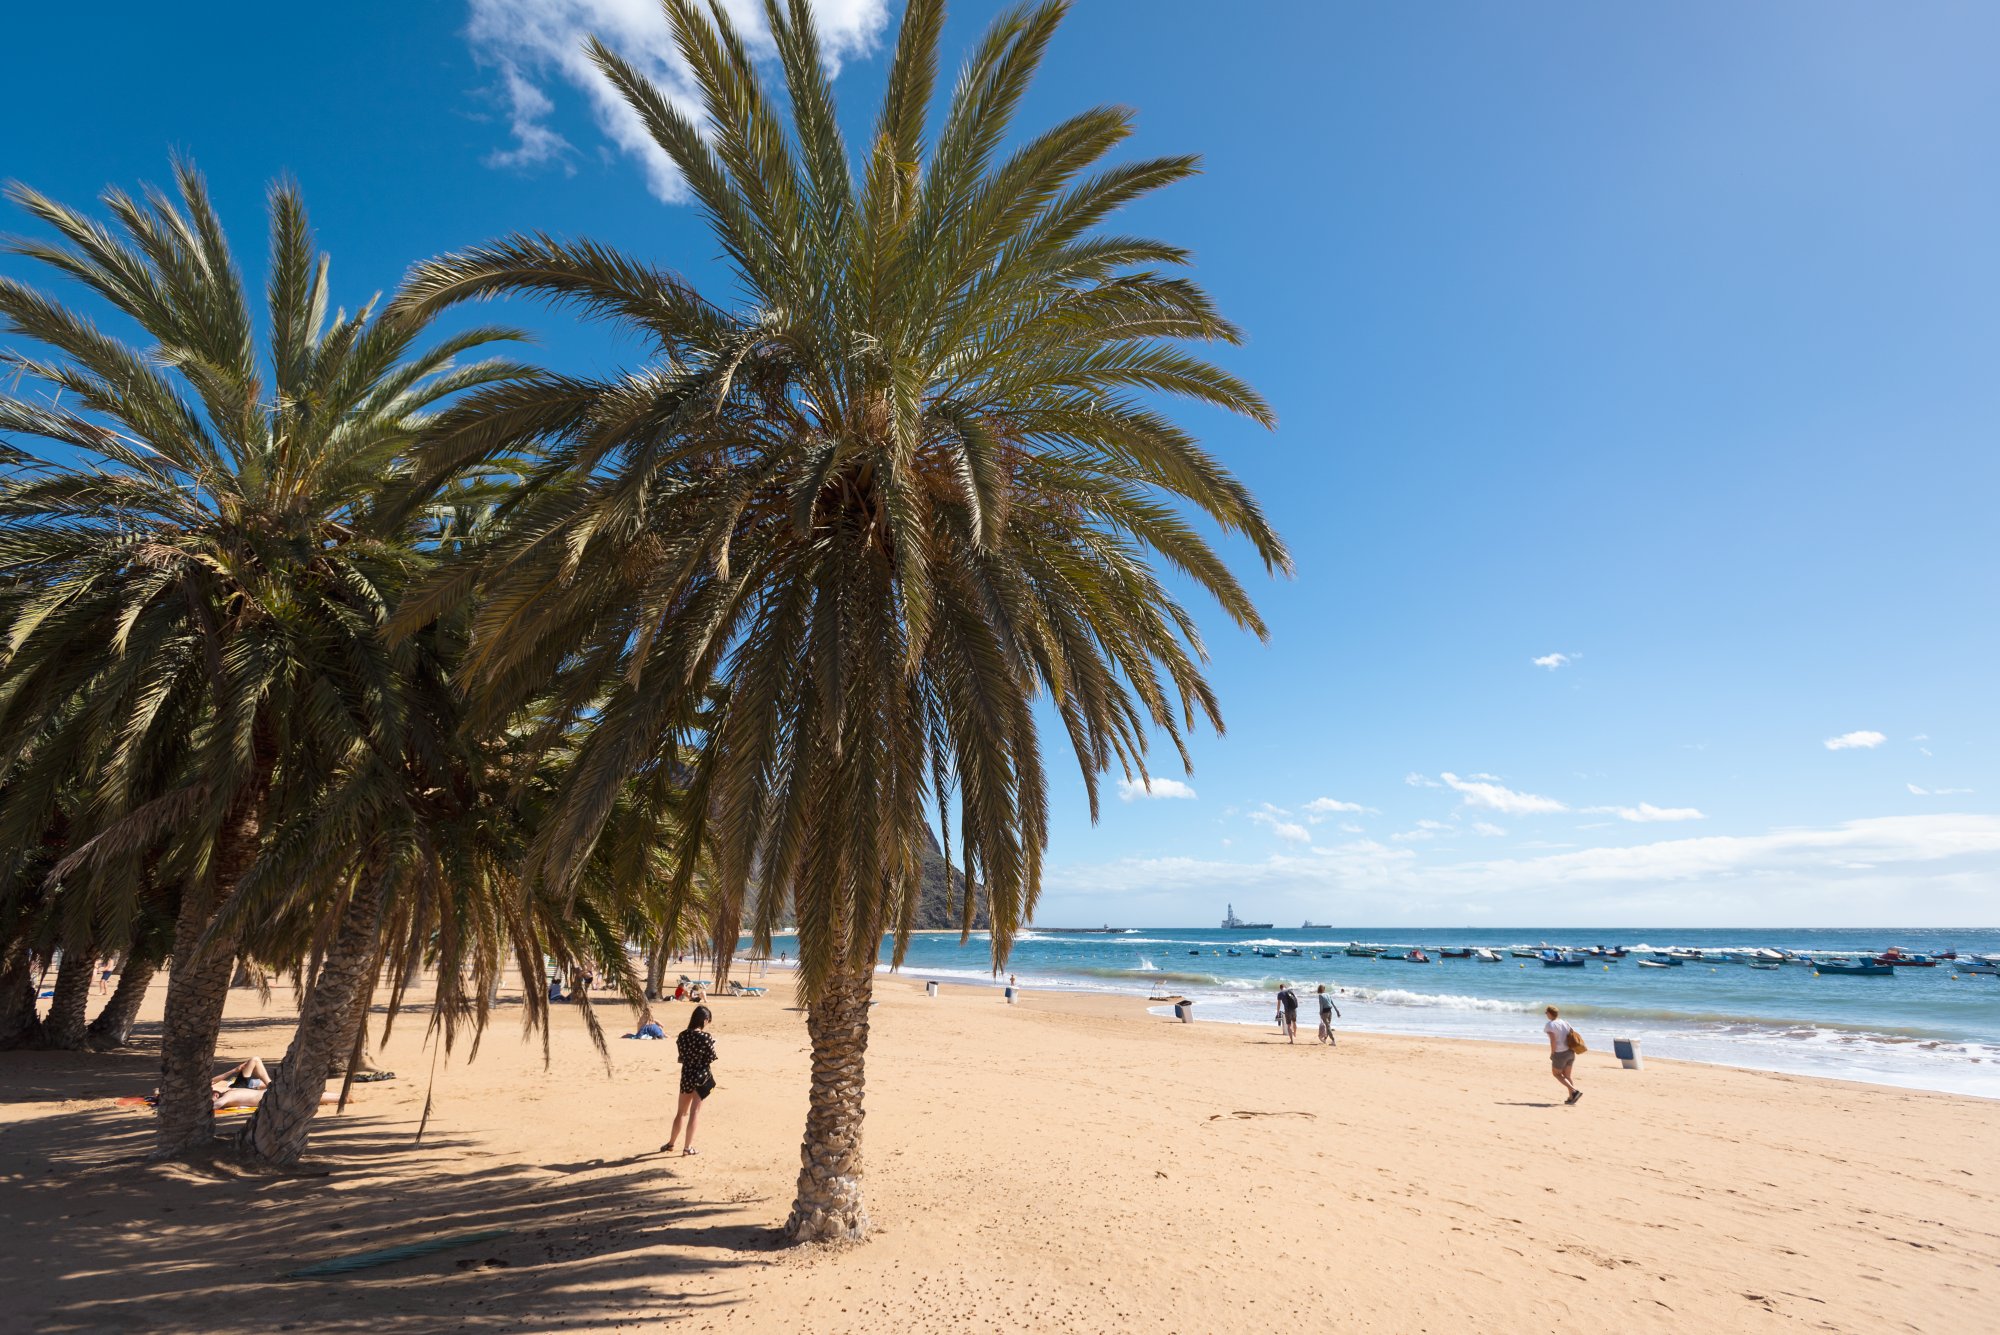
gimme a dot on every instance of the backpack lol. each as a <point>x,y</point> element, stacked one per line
<point>1576,1041</point>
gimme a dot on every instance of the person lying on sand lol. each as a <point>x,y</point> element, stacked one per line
<point>243,1085</point>
<point>244,1082</point>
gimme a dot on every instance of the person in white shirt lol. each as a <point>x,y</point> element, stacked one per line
<point>1561,1059</point>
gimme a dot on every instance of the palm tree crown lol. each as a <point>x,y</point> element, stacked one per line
<point>197,572</point>
<point>915,485</point>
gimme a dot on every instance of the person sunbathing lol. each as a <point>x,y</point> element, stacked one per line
<point>244,1084</point>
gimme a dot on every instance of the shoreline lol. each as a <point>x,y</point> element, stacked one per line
<point>1587,1020</point>
<point>1110,1003</point>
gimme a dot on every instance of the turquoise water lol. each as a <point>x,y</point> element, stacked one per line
<point>1935,1028</point>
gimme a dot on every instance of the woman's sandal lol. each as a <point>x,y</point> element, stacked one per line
<point>686,1152</point>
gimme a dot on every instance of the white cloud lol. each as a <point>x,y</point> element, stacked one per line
<point>1416,780</point>
<point>1425,830</point>
<point>1274,820</point>
<point>1921,737</point>
<point>1922,869</point>
<point>1935,792</point>
<point>527,106</point>
<point>1863,740</point>
<point>1496,797</point>
<point>1489,829</point>
<point>1132,790</point>
<point>1646,813</point>
<point>533,40</point>
<point>1553,661</point>
<point>1320,808</point>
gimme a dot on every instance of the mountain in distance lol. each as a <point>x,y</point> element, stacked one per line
<point>942,897</point>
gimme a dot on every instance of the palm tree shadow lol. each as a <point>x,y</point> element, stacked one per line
<point>210,1246</point>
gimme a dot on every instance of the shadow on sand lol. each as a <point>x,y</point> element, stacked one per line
<point>94,1238</point>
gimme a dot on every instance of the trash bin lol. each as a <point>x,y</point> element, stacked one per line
<point>1627,1052</point>
<point>930,989</point>
<point>1184,1011</point>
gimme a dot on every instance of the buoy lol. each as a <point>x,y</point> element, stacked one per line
<point>1815,973</point>
<point>1607,968</point>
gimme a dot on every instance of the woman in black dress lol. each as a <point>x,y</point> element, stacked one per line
<point>697,1051</point>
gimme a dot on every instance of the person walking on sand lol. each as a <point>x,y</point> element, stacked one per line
<point>697,1052</point>
<point>1562,1053</point>
<point>1327,1010</point>
<point>1288,1012</point>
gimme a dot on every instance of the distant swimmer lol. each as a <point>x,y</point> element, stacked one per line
<point>1327,1012</point>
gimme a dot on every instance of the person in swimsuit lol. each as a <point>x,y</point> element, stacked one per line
<point>697,1051</point>
<point>1327,1010</point>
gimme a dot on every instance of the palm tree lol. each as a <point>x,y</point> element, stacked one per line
<point>914,487</point>
<point>197,571</point>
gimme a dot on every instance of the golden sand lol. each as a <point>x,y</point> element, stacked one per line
<point>1069,1164</point>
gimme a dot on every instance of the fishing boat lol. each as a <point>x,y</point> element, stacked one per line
<point>1654,964</point>
<point>1232,952</point>
<point>1290,950</point>
<point>1556,959</point>
<point>1764,964</point>
<point>1364,952</point>
<point>1407,957</point>
<point>1232,923</point>
<point>1607,952</point>
<point>1456,953</point>
<point>1981,965</point>
<point>1525,953</point>
<point>1854,969</point>
<point>1903,960</point>
<point>1485,956</point>
<point>1665,960</point>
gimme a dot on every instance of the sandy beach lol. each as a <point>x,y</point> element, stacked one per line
<point>1069,1164</point>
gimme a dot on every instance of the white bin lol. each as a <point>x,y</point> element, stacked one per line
<point>930,989</point>
<point>1627,1052</point>
<point>1184,1011</point>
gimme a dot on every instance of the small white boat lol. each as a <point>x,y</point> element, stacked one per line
<point>1654,964</point>
<point>1485,956</point>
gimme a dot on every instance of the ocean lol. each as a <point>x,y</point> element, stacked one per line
<point>1935,1028</point>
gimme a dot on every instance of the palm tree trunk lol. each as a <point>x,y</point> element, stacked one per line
<point>19,1025</point>
<point>351,1052</point>
<point>113,1025</point>
<point>656,970</point>
<point>197,989</point>
<point>69,1010</point>
<point>278,1130</point>
<point>828,1207</point>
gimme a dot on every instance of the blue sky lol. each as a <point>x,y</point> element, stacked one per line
<point>1657,339</point>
